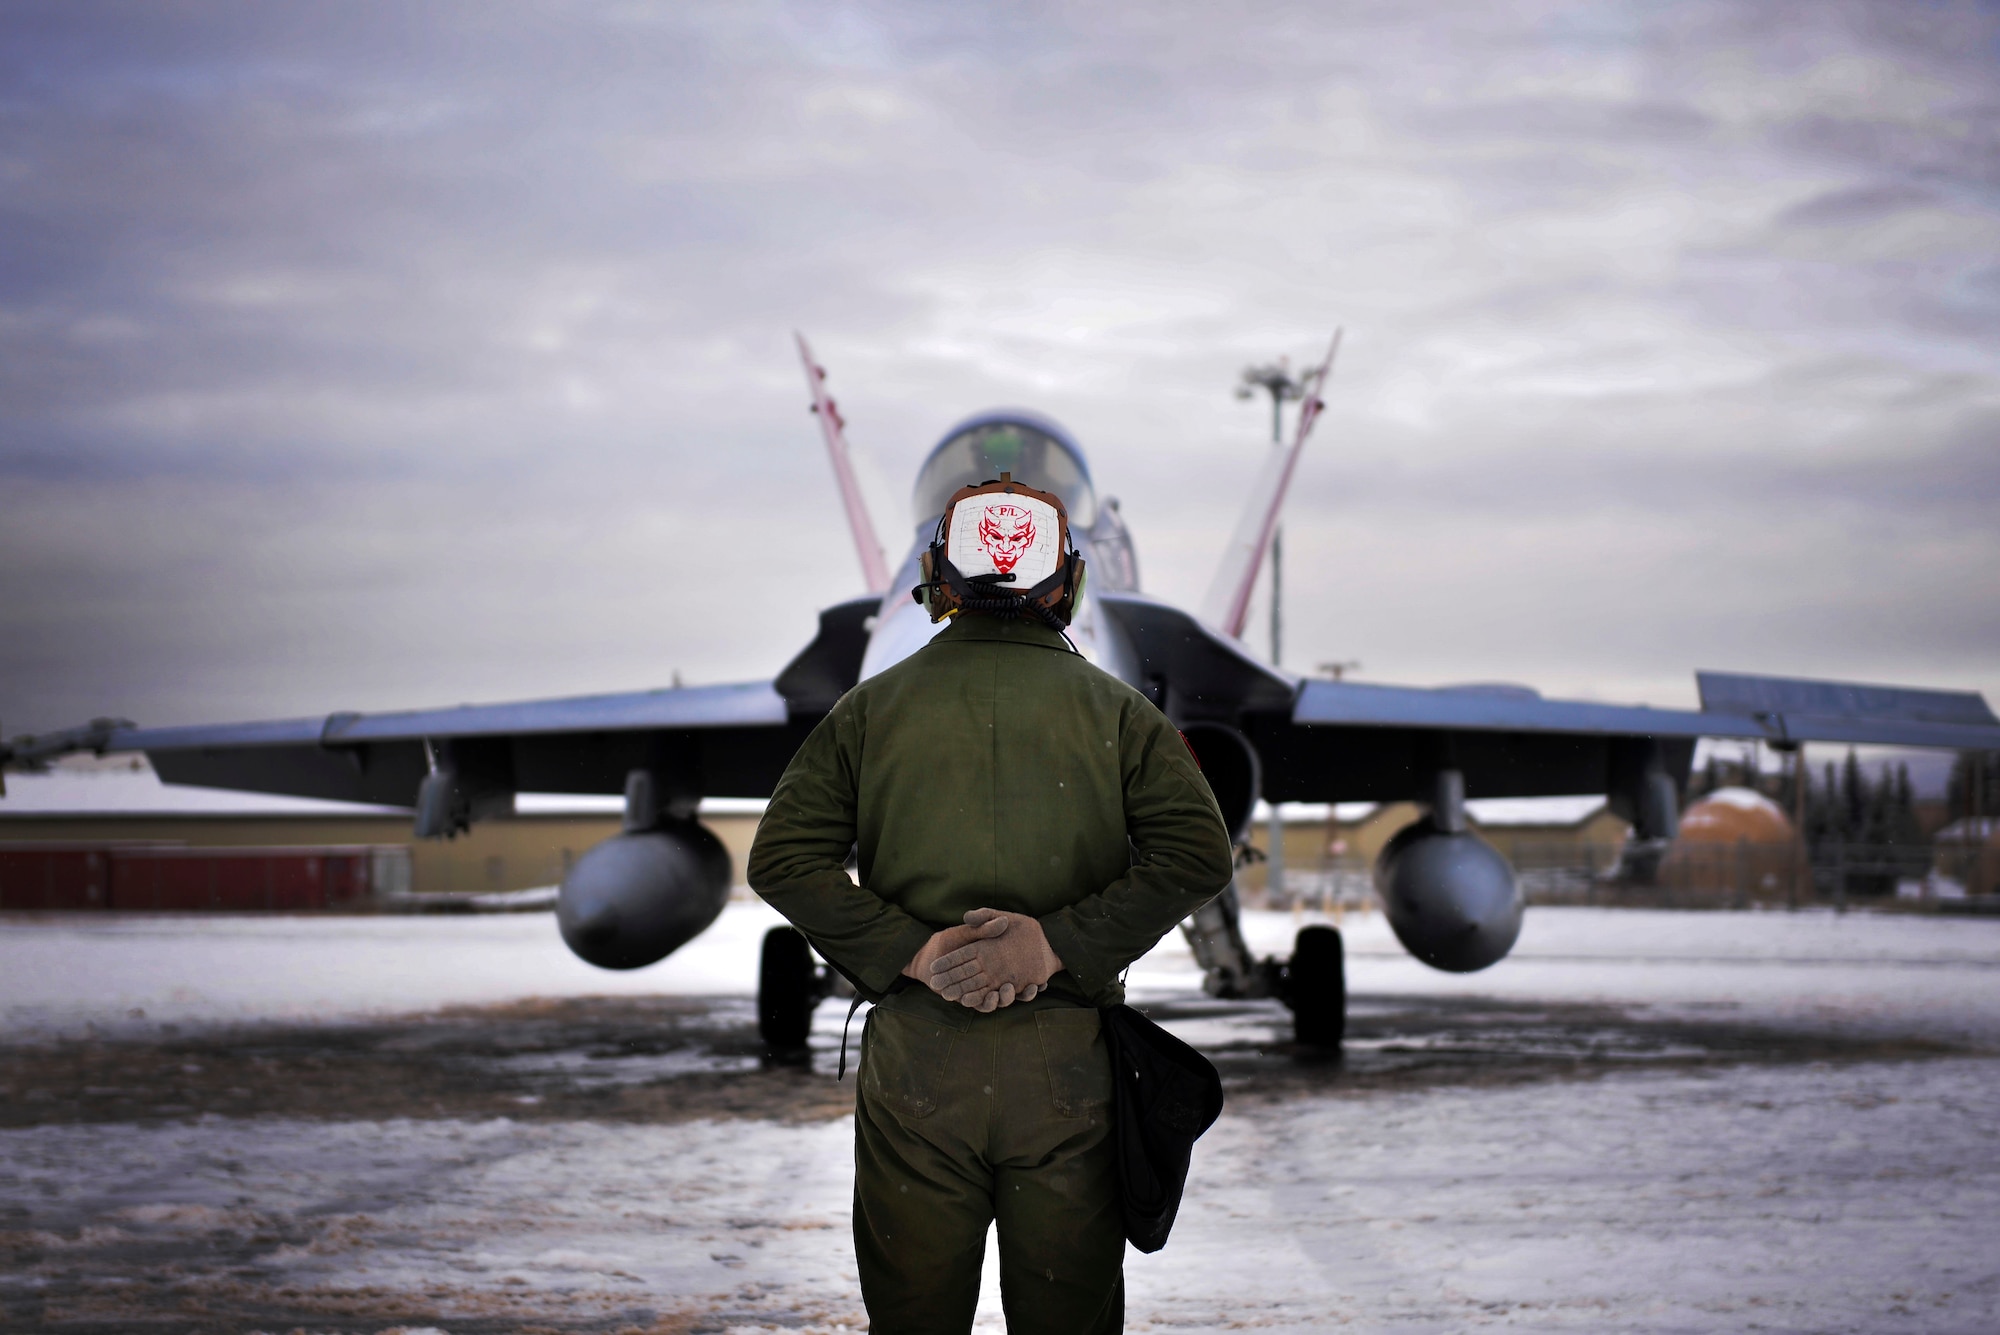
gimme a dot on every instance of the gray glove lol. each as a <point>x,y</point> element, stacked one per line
<point>950,939</point>
<point>998,968</point>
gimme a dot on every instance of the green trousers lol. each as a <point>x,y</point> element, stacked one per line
<point>963,1120</point>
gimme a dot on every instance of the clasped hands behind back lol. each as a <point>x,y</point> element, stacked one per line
<point>994,959</point>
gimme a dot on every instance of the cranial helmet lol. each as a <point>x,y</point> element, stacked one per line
<point>1003,549</point>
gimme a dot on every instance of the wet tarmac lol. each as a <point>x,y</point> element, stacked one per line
<point>638,1163</point>
<point>664,1059</point>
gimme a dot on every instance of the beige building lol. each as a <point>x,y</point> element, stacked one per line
<point>119,803</point>
<point>1533,832</point>
<point>1330,850</point>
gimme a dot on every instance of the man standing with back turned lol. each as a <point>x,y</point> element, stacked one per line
<point>1025,826</point>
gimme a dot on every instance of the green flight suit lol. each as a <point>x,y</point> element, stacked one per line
<point>991,769</point>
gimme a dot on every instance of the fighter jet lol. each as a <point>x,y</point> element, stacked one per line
<point>1257,731</point>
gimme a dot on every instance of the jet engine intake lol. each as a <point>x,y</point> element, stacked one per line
<point>1232,769</point>
<point>1450,896</point>
<point>638,897</point>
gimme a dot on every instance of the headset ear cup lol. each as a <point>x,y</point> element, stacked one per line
<point>943,593</point>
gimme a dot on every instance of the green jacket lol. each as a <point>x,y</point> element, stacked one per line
<point>993,768</point>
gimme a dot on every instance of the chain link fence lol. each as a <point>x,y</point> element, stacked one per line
<point>1692,875</point>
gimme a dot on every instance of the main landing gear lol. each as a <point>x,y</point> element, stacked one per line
<point>1315,987</point>
<point>1312,983</point>
<point>790,983</point>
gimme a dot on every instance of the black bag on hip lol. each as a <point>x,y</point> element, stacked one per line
<point>1164,1095</point>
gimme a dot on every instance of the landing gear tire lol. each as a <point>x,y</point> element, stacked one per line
<point>1316,988</point>
<point>788,987</point>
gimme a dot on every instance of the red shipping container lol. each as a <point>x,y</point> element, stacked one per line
<point>54,877</point>
<point>150,878</point>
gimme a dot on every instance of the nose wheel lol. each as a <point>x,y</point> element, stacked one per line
<point>790,983</point>
<point>1314,985</point>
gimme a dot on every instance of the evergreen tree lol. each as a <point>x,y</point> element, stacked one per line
<point>1908,828</point>
<point>1785,787</point>
<point>1823,813</point>
<point>1906,832</point>
<point>1875,819</point>
<point>1853,799</point>
<point>1875,808</point>
<point>1974,774</point>
<point>1711,777</point>
<point>1750,772</point>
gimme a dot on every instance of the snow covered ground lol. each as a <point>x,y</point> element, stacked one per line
<point>1724,1194</point>
<point>63,974</point>
<point>1836,1199</point>
<point>1899,975</point>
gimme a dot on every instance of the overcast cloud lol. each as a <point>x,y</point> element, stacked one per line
<point>364,356</point>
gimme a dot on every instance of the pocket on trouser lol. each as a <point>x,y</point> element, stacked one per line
<point>1079,1064</point>
<point>903,1059</point>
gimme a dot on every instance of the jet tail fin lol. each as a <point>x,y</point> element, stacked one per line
<point>1227,605</point>
<point>874,568</point>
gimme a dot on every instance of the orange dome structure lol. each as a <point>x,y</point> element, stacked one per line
<point>1736,815</point>
<point>1735,846</point>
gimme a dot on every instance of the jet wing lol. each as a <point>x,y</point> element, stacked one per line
<point>1381,742</point>
<point>1501,709</point>
<point>1323,741</point>
<point>585,744</point>
<point>1798,710</point>
<point>750,704</point>
<point>1348,741</point>
<point>723,741</point>
<point>1780,710</point>
<point>1344,741</point>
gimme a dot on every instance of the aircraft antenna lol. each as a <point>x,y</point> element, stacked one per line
<point>874,568</point>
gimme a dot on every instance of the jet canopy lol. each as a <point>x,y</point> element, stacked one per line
<point>1034,449</point>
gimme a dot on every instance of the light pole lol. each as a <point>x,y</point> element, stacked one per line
<point>1276,380</point>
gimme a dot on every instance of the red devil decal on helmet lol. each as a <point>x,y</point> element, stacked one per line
<point>1006,531</point>
<point>1008,527</point>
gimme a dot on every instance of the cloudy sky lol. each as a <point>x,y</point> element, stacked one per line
<point>362,356</point>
